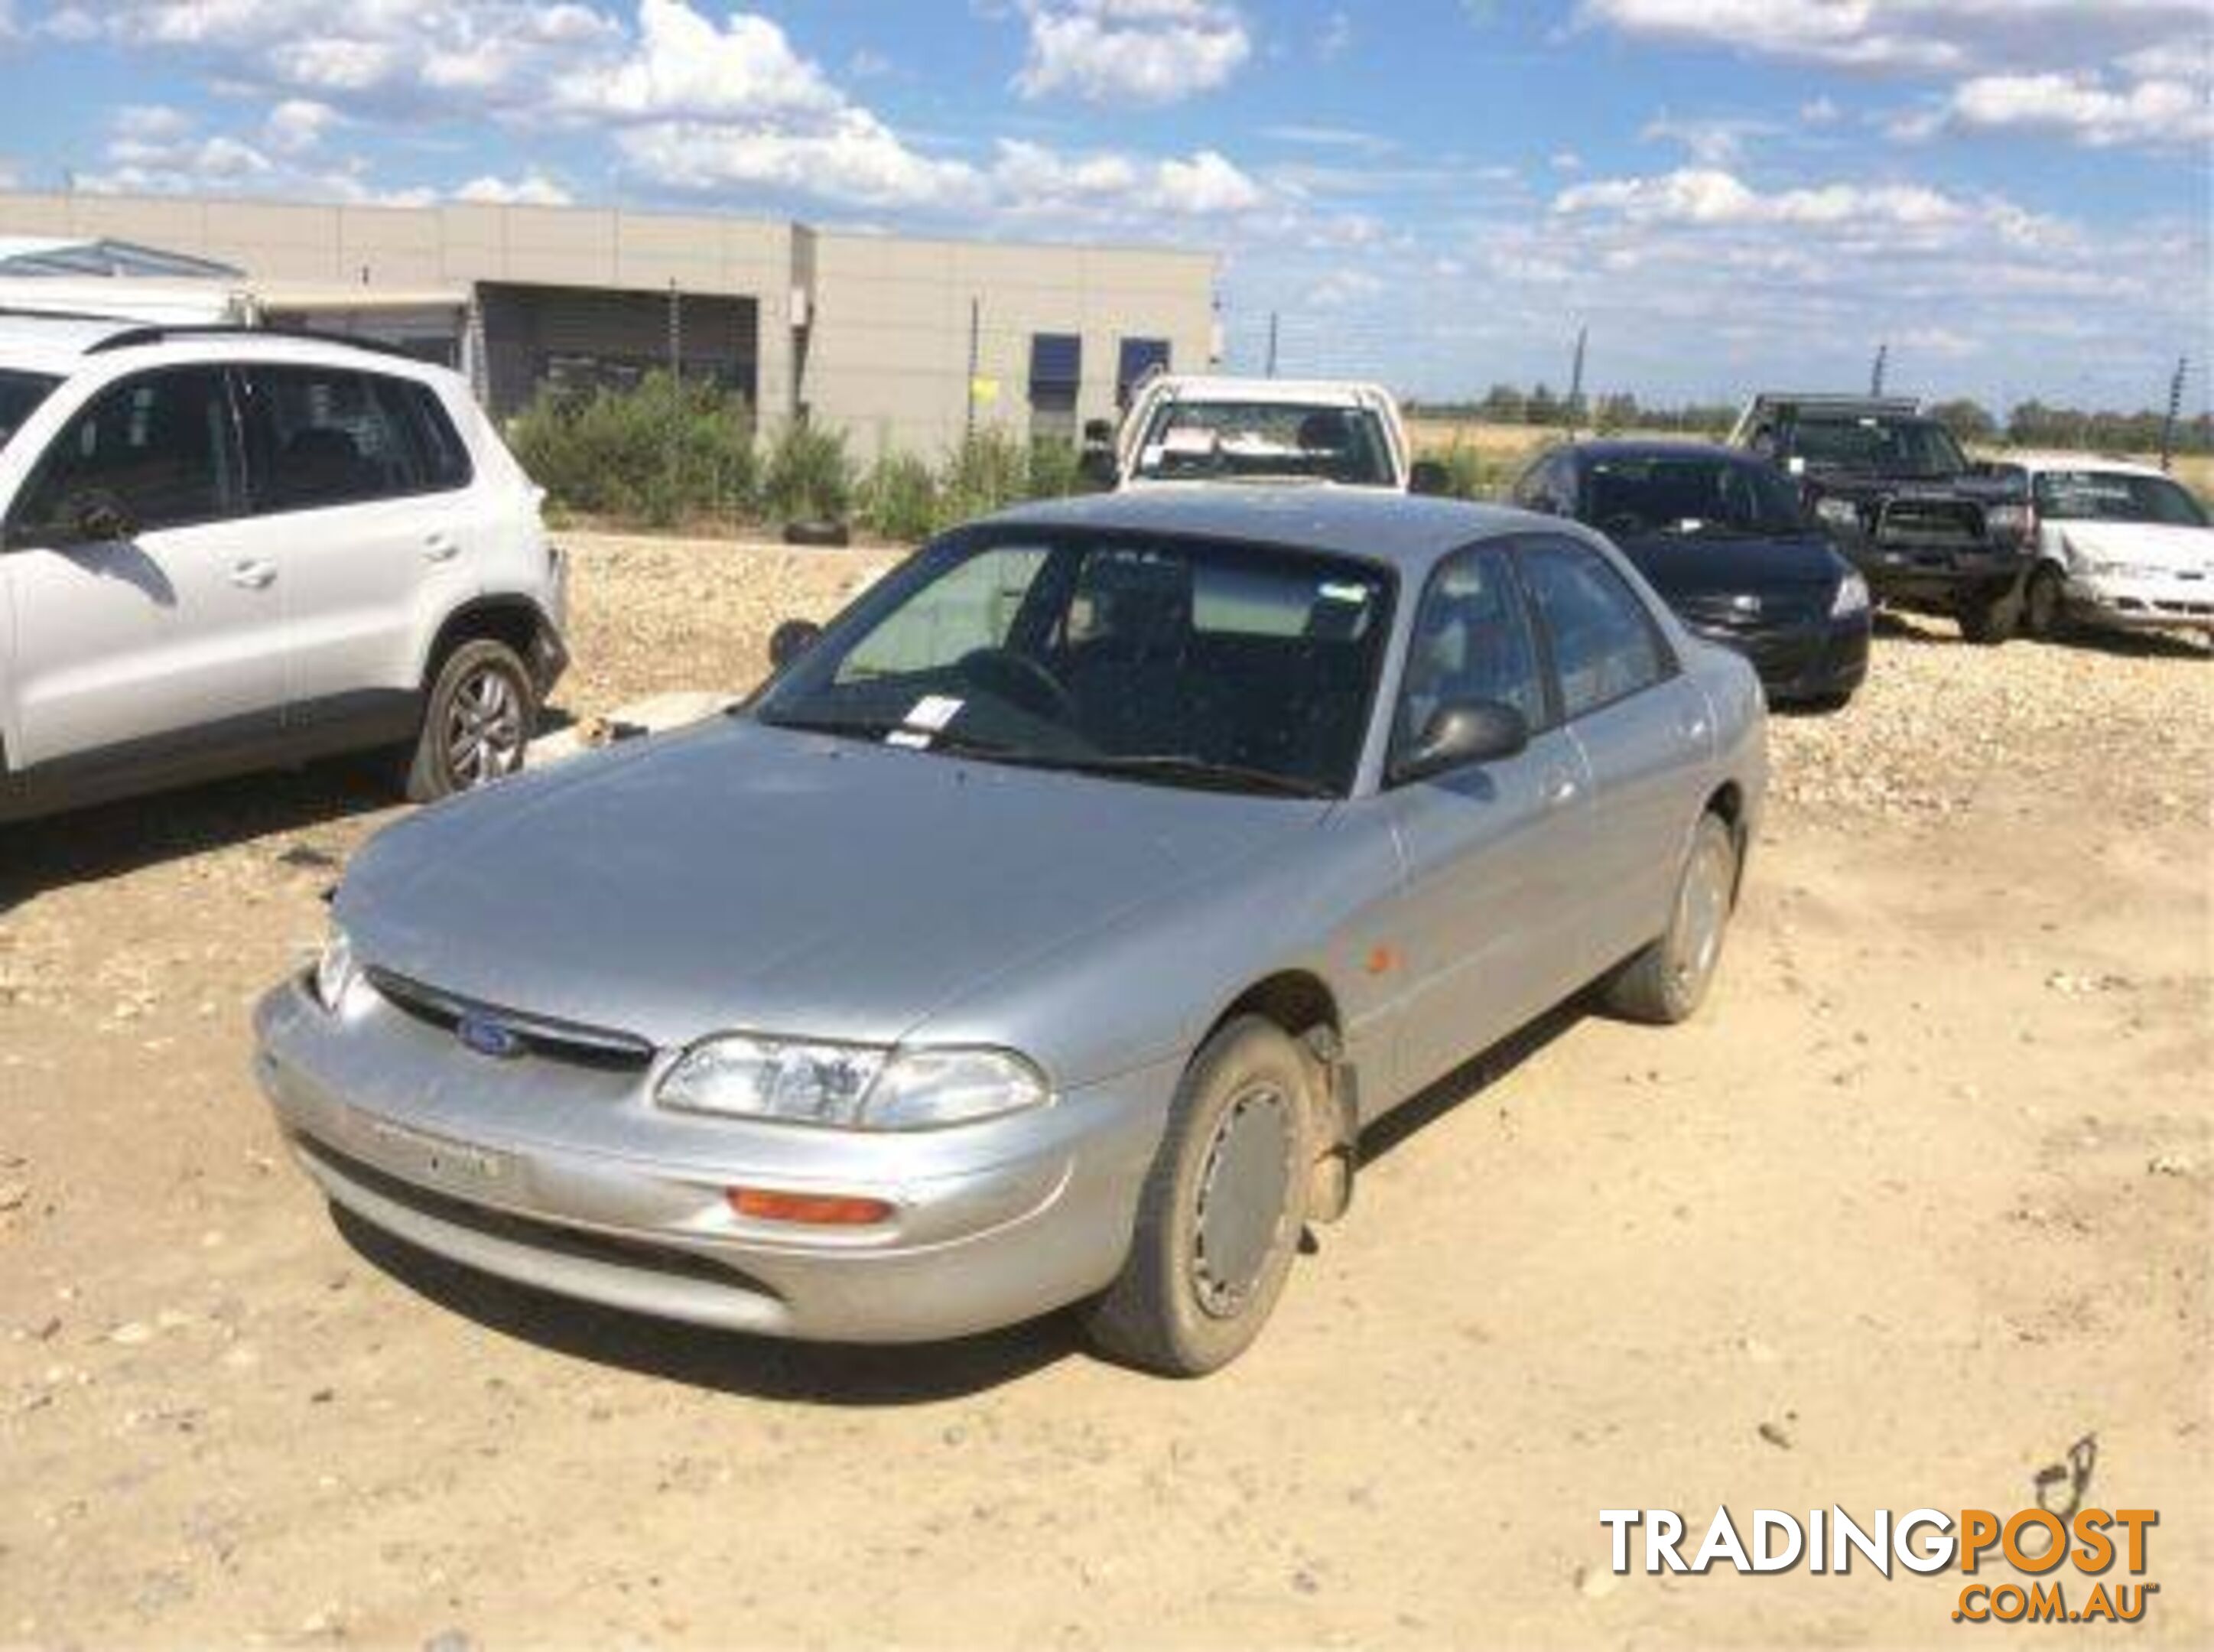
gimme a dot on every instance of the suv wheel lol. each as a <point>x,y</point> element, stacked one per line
<point>477,722</point>
<point>1991,619</point>
<point>1220,1216</point>
<point>2045,604</point>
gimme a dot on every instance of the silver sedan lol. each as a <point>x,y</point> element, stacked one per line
<point>1045,932</point>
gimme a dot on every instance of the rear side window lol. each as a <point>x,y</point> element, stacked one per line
<point>159,445</point>
<point>20,396</point>
<point>1604,643</point>
<point>322,435</point>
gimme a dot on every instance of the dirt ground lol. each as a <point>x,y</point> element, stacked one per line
<point>1920,1200</point>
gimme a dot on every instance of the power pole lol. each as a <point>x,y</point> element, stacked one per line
<point>2174,411</point>
<point>1272,344</point>
<point>975,327</point>
<point>1574,403</point>
<point>1876,373</point>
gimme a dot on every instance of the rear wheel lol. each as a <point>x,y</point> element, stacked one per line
<point>1218,1218</point>
<point>1667,981</point>
<point>2045,603</point>
<point>477,722</point>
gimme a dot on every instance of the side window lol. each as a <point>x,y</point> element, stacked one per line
<point>442,456</point>
<point>323,436</point>
<point>972,608</point>
<point>1472,642</point>
<point>1604,644</point>
<point>159,444</point>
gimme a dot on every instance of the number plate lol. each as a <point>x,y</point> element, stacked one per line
<point>421,1157</point>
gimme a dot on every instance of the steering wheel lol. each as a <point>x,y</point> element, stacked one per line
<point>1020,679</point>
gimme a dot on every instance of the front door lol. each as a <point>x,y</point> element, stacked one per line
<point>1494,853</point>
<point>151,643</point>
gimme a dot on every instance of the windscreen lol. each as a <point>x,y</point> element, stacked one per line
<point>1694,494</point>
<point>1154,658</point>
<point>1265,441</point>
<point>2115,496</point>
<point>1890,447</point>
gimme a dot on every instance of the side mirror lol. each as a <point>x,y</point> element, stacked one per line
<point>94,517</point>
<point>1428,477</point>
<point>789,640</point>
<point>1459,734</point>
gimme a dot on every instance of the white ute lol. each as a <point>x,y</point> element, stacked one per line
<point>1183,429</point>
<point>224,549</point>
<point>2116,543</point>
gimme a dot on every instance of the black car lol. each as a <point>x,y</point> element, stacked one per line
<point>1928,527</point>
<point>1721,536</point>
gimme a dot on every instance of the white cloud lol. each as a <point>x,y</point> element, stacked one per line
<point>1712,141</point>
<point>533,188</point>
<point>1131,51</point>
<point>683,67</point>
<point>1708,195</point>
<point>297,125</point>
<point>851,157</point>
<point>2086,108</point>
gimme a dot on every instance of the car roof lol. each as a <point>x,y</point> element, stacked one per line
<point>1304,392</point>
<point>67,345</point>
<point>1409,530</point>
<point>2034,462</point>
<point>1653,447</point>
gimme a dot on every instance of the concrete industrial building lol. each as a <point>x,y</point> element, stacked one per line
<point>898,341</point>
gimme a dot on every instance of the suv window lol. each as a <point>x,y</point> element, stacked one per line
<point>20,396</point>
<point>1871,442</point>
<point>1472,642</point>
<point>324,436</point>
<point>159,444</point>
<point>1604,643</point>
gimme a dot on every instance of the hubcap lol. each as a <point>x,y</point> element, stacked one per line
<point>1243,1190</point>
<point>1702,909</point>
<point>483,728</point>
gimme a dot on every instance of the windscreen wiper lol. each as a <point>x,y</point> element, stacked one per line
<point>1199,771</point>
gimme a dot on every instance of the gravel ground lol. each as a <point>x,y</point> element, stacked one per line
<point>1920,1200</point>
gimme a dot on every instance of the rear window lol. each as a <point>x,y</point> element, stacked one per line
<point>1261,441</point>
<point>328,436</point>
<point>2115,496</point>
<point>20,396</point>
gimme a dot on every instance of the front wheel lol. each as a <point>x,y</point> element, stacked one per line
<point>1220,1216</point>
<point>1667,981</point>
<point>2045,603</point>
<point>477,722</point>
<point>1990,619</point>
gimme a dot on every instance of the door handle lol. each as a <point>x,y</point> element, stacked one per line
<point>1560,790</point>
<point>1694,728</point>
<point>254,576</point>
<point>440,548</point>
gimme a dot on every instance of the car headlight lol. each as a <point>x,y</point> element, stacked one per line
<point>852,1086</point>
<point>2123,570</point>
<point>1837,513</point>
<point>335,970</point>
<point>1852,596</point>
<point>2008,521</point>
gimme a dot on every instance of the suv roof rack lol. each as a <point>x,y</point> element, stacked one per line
<point>131,337</point>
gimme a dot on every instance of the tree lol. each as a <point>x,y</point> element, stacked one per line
<point>1543,407</point>
<point>1967,419</point>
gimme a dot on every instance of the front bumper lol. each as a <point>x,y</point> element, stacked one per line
<point>2167,602</point>
<point>1819,659</point>
<point>1938,580</point>
<point>567,1178</point>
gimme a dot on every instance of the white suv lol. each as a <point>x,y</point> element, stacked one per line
<point>224,550</point>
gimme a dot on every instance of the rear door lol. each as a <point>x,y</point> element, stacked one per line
<point>1644,729</point>
<point>146,646</point>
<point>362,500</point>
<point>1489,920</point>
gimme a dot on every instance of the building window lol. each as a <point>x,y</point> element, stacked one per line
<point>1056,372</point>
<point>1139,358</point>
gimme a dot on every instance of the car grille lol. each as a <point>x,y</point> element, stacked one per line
<point>1929,525</point>
<point>1727,613</point>
<point>568,1042</point>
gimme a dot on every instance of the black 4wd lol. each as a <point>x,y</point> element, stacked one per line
<point>1929,529</point>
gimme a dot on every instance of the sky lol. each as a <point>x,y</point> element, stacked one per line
<point>2013,196</point>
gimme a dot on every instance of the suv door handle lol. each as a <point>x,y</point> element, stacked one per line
<point>254,576</point>
<point>439,547</point>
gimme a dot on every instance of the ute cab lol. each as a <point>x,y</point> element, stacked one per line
<point>1183,429</point>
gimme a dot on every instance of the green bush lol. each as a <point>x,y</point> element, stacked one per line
<point>660,453</point>
<point>899,498</point>
<point>1469,475</point>
<point>808,477</point>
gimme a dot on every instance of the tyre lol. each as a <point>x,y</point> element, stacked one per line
<point>2045,603</point>
<point>1221,1213</point>
<point>832,534</point>
<point>477,722</point>
<point>1667,981</point>
<point>1990,619</point>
